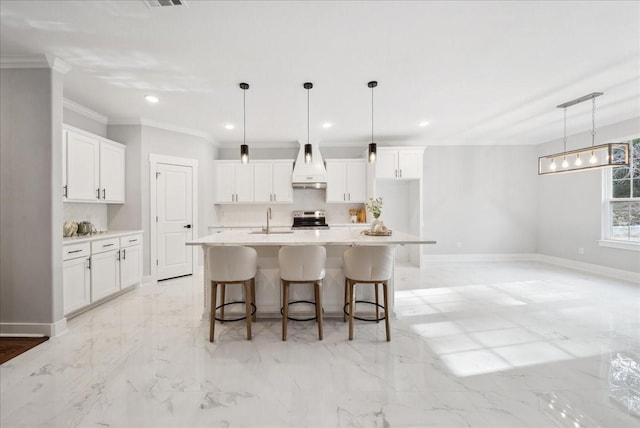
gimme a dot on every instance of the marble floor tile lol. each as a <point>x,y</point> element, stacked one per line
<point>513,344</point>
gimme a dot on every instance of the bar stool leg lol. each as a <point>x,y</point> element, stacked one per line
<point>222,298</point>
<point>352,308</point>
<point>346,298</point>
<point>248,307</point>
<point>318,308</point>
<point>253,295</point>
<point>212,312</point>
<point>386,310</point>
<point>285,308</point>
<point>375,286</point>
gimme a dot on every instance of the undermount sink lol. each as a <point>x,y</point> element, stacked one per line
<point>271,232</point>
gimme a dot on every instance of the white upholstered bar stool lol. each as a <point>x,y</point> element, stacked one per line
<point>302,264</point>
<point>367,265</point>
<point>232,265</point>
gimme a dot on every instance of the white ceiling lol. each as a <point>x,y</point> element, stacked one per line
<point>479,72</point>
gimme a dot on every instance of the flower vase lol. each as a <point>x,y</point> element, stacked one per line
<point>377,225</point>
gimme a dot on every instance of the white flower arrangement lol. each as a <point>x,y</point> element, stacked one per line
<point>374,206</point>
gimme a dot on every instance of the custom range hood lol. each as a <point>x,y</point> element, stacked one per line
<point>312,175</point>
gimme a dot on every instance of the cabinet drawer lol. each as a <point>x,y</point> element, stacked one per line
<point>131,240</point>
<point>105,245</point>
<point>74,251</point>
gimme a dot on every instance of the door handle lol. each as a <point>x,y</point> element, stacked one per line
<point>187,226</point>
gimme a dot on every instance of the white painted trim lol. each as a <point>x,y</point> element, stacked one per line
<point>622,245</point>
<point>624,275</point>
<point>85,111</point>
<point>438,258</point>
<point>154,160</point>
<point>34,329</point>
<point>163,125</point>
<point>34,61</point>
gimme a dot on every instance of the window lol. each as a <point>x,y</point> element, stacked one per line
<point>623,199</point>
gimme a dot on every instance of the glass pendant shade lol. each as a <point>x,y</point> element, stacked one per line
<point>373,151</point>
<point>308,153</point>
<point>244,153</point>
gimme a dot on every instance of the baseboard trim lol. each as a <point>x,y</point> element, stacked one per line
<point>438,258</point>
<point>624,275</point>
<point>57,328</point>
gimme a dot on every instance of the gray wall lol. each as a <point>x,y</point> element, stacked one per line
<point>83,122</point>
<point>30,196</point>
<point>569,210</point>
<point>482,197</point>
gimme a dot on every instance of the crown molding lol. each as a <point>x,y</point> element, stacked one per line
<point>35,61</point>
<point>85,111</point>
<point>162,125</point>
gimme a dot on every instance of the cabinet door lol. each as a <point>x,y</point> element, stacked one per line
<point>105,275</point>
<point>130,266</point>
<point>409,164</point>
<point>263,179</point>
<point>76,284</point>
<point>387,164</point>
<point>244,182</point>
<point>357,181</point>
<point>111,172</point>
<point>336,181</point>
<point>83,157</point>
<point>225,183</point>
<point>281,180</point>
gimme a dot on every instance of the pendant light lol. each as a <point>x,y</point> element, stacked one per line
<point>373,148</point>
<point>604,155</point>
<point>244,148</point>
<point>308,153</point>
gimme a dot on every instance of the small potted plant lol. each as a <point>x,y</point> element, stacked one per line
<point>374,206</point>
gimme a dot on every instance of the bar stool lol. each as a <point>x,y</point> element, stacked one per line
<point>367,265</point>
<point>302,264</point>
<point>232,265</point>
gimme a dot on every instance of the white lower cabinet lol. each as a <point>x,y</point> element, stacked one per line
<point>98,269</point>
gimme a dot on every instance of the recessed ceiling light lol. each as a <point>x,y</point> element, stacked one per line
<point>229,126</point>
<point>151,98</point>
<point>424,123</point>
<point>327,125</point>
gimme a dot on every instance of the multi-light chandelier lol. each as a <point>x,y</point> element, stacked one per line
<point>604,155</point>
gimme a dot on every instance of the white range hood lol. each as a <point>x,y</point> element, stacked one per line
<point>311,175</point>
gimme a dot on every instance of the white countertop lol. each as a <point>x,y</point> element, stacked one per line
<point>338,236</point>
<point>100,235</point>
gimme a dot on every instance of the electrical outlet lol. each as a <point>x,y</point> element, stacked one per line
<point>580,250</point>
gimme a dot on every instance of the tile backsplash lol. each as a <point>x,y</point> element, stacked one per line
<point>95,213</point>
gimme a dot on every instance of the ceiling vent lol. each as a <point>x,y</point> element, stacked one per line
<point>163,3</point>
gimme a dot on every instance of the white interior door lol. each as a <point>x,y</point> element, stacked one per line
<point>174,196</point>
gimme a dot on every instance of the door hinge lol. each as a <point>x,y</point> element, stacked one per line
<point>157,175</point>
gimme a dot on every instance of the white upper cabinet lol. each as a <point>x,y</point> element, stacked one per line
<point>83,167</point>
<point>399,163</point>
<point>346,180</point>
<point>93,168</point>
<point>273,181</point>
<point>234,182</point>
<point>111,172</point>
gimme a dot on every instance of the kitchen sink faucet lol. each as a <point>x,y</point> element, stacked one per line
<point>268,218</point>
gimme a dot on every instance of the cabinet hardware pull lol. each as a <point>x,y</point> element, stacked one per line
<point>118,256</point>
<point>400,173</point>
<point>344,196</point>
<point>104,193</point>
<point>133,240</point>
<point>124,254</point>
<point>89,264</point>
<point>65,190</point>
<point>98,190</point>
<point>106,245</point>
<point>74,251</point>
<point>349,195</point>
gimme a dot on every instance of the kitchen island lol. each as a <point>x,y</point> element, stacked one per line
<point>268,288</point>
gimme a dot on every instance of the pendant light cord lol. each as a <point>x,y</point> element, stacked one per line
<point>372,114</point>
<point>308,121</point>
<point>593,122</point>
<point>565,129</point>
<point>244,117</point>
